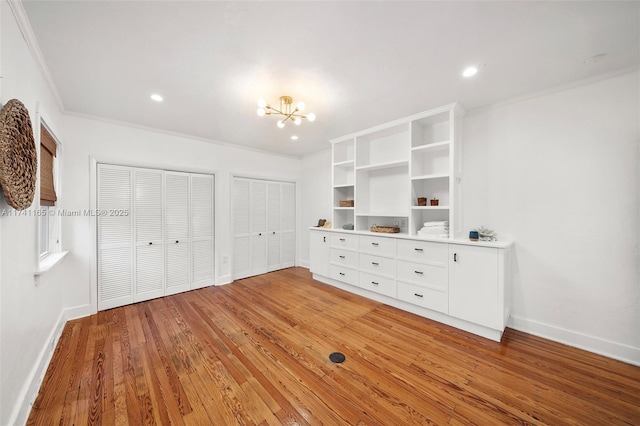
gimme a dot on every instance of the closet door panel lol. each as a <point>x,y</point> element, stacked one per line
<point>149,279</point>
<point>259,253</point>
<point>202,263</point>
<point>115,237</point>
<point>258,203</point>
<point>288,224</point>
<point>274,258</point>
<point>241,228</point>
<point>177,232</point>
<point>202,208</point>
<point>178,261</point>
<point>288,249</point>
<point>241,257</point>
<point>148,203</point>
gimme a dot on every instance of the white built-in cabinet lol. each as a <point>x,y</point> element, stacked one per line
<point>264,226</point>
<point>155,233</point>
<point>461,283</point>
<point>385,169</point>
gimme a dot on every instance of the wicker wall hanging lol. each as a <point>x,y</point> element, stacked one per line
<point>18,156</point>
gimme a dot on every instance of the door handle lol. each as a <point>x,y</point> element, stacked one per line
<point>419,272</point>
<point>455,257</point>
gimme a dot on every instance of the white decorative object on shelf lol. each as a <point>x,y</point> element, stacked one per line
<point>486,234</point>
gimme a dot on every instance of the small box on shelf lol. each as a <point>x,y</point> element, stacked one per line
<point>346,203</point>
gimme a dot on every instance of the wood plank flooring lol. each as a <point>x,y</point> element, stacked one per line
<point>256,351</point>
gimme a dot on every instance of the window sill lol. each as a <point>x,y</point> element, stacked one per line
<point>48,262</point>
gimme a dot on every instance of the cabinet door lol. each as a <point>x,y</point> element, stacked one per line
<point>202,230</point>
<point>115,237</point>
<point>148,211</point>
<point>177,234</point>
<point>473,284</point>
<point>319,243</point>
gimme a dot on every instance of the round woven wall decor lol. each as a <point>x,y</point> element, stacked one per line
<point>18,156</point>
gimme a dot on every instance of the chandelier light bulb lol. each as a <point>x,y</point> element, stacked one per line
<point>297,121</point>
<point>300,106</point>
<point>260,112</point>
<point>280,124</point>
<point>262,103</point>
<point>311,117</point>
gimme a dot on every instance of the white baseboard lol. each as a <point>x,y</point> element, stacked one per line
<point>303,264</point>
<point>597,345</point>
<point>32,385</point>
<point>224,279</point>
<point>77,312</point>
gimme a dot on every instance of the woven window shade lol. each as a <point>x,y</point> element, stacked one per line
<point>47,152</point>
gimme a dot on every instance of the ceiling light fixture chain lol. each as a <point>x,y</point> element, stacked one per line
<point>287,109</point>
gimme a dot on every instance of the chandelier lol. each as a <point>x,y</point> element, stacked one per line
<point>287,109</point>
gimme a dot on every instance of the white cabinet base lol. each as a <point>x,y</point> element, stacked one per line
<point>476,329</point>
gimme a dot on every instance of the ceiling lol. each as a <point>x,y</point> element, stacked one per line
<point>355,64</point>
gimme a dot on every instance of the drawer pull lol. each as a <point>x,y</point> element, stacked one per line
<point>341,273</point>
<point>375,263</point>
<point>375,283</point>
<point>419,272</point>
<point>418,249</point>
<point>375,244</point>
<point>418,295</point>
<point>341,257</point>
<point>342,239</point>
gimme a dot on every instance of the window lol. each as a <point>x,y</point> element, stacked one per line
<point>48,224</point>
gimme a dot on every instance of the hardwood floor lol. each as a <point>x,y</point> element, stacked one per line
<point>256,352</point>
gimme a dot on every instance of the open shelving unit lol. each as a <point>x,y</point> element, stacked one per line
<point>386,168</point>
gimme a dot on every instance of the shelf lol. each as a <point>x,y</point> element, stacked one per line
<point>434,176</point>
<point>344,163</point>
<point>381,166</point>
<point>430,208</point>
<point>395,214</point>
<point>343,185</point>
<point>431,147</point>
<point>343,208</point>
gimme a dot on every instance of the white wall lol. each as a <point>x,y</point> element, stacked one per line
<point>119,144</point>
<point>30,309</point>
<point>558,173</point>
<point>315,197</point>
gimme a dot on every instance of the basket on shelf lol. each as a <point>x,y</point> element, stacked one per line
<point>422,201</point>
<point>434,202</point>
<point>385,229</point>
<point>346,203</point>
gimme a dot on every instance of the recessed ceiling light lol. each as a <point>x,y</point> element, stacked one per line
<point>469,72</point>
<point>294,138</point>
<point>156,97</point>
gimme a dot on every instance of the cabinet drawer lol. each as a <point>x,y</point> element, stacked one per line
<point>347,241</point>
<point>378,245</point>
<point>346,275</point>
<point>378,284</point>
<point>377,264</point>
<point>425,297</point>
<point>423,251</point>
<point>344,257</point>
<point>423,274</point>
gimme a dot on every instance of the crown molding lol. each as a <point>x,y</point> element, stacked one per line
<point>29,37</point>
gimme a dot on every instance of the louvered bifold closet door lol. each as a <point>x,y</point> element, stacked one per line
<point>202,208</point>
<point>177,232</point>
<point>288,225</point>
<point>115,236</point>
<point>148,211</point>
<point>241,229</point>
<point>258,207</point>
<point>273,226</point>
